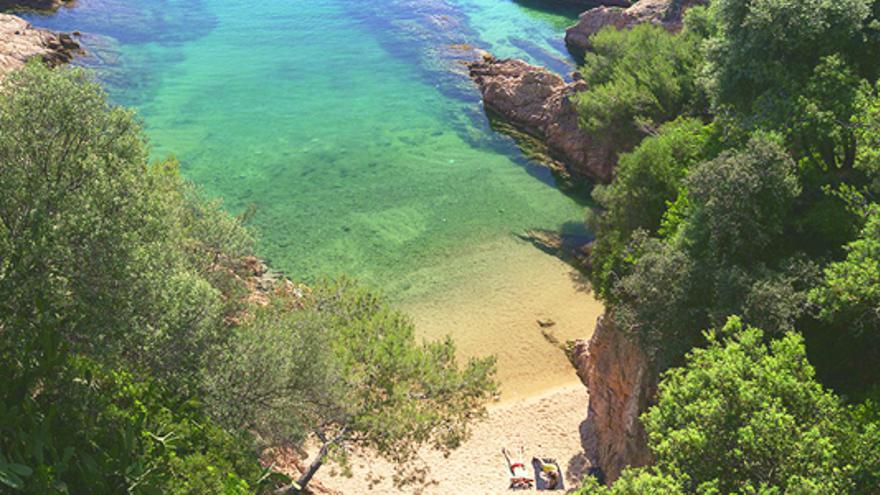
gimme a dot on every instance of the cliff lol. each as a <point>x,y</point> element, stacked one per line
<point>539,103</point>
<point>20,41</point>
<point>622,383</point>
<point>666,13</point>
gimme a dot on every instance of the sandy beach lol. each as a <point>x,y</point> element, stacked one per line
<point>504,288</point>
<point>545,425</point>
<point>495,310</point>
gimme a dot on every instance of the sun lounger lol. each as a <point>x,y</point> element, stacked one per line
<point>548,474</point>
<point>520,478</point>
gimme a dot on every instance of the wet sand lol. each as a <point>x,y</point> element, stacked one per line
<point>495,308</point>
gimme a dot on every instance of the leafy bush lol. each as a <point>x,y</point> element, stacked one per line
<point>637,79</point>
<point>98,430</point>
<point>646,181</point>
<point>743,416</point>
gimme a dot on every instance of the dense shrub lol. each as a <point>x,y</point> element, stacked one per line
<point>743,416</point>
<point>637,79</point>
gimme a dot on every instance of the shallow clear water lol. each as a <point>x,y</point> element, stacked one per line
<point>343,122</point>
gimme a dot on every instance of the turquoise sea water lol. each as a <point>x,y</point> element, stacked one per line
<point>343,122</point>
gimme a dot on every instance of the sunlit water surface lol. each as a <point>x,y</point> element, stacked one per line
<point>346,127</point>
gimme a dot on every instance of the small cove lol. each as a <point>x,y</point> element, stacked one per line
<point>361,149</point>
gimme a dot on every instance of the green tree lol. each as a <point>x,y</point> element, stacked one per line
<point>637,79</point>
<point>848,303</point>
<point>646,181</point>
<point>108,268</point>
<point>744,416</point>
<point>343,365</point>
<point>723,253</point>
<point>91,429</point>
<point>792,66</point>
<point>99,252</point>
<point>739,203</point>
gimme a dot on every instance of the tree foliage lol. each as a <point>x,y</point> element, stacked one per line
<point>794,67</point>
<point>722,253</point>
<point>766,209</point>
<point>637,79</point>
<point>109,267</point>
<point>347,367</point>
<point>646,181</point>
<point>746,416</point>
<point>115,257</point>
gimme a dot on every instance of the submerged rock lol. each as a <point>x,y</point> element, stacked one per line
<point>622,384</point>
<point>33,5</point>
<point>666,13</point>
<point>546,322</point>
<point>20,41</point>
<point>539,103</point>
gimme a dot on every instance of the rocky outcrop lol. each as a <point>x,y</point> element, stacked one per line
<point>666,13</point>
<point>622,384</point>
<point>19,42</point>
<point>539,103</point>
<point>33,5</point>
<point>593,3</point>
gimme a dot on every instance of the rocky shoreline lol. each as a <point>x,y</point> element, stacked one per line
<point>620,377</point>
<point>666,13</point>
<point>20,42</point>
<point>539,103</point>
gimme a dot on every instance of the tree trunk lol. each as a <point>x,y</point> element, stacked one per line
<point>313,467</point>
<point>317,462</point>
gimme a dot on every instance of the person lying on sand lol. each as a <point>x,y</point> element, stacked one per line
<point>548,474</point>
<point>519,475</point>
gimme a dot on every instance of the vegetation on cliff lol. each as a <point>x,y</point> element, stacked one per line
<point>747,416</point>
<point>130,357</point>
<point>758,198</point>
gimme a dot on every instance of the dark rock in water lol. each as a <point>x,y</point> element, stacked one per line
<point>542,56</point>
<point>33,5</point>
<point>20,41</point>
<point>433,34</point>
<point>570,6</point>
<point>596,3</point>
<point>666,13</point>
<point>539,103</point>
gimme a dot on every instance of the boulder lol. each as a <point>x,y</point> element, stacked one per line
<point>20,41</point>
<point>622,384</point>
<point>539,103</point>
<point>666,13</point>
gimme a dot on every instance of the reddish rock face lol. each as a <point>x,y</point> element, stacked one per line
<point>539,103</point>
<point>19,42</point>
<point>622,384</point>
<point>666,13</point>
